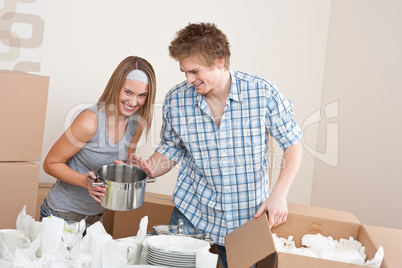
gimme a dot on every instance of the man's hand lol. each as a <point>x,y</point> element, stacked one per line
<point>276,204</point>
<point>136,160</point>
<point>277,208</point>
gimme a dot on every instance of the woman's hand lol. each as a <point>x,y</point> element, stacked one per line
<point>95,191</point>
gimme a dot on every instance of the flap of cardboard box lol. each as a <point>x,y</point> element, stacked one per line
<point>390,239</point>
<point>249,243</point>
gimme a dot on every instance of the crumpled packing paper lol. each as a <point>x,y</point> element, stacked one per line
<point>26,223</point>
<point>205,259</point>
<point>4,253</point>
<point>31,229</point>
<point>52,228</point>
<point>96,249</point>
<point>107,252</point>
<point>319,246</point>
<point>53,250</point>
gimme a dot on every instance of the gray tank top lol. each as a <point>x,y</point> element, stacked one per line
<point>97,152</point>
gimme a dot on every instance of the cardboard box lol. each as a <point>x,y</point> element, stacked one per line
<point>23,101</point>
<point>253,243</point>
<point>122,224</point>
<point>19,187</point>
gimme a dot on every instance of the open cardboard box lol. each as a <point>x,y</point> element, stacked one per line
<point>253,243</point>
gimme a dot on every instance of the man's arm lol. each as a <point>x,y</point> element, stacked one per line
<point>276,203</point>
<point>157,165</point>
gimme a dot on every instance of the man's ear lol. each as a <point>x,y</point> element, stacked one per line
<point>220,63</point>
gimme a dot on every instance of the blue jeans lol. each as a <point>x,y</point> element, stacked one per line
<point>174,220</point>
<point>46,211</point>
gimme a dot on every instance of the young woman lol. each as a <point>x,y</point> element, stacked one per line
<point>105,132</point>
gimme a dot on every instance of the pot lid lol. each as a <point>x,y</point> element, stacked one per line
<point>179,230</point>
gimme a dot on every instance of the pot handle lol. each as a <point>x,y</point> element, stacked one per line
<point>94,184</point>
<point>151,179</point>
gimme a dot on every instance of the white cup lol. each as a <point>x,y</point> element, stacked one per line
<point>14,238</point>
<point>134,249</point>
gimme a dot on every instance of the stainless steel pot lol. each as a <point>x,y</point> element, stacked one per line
<point>125,186</point>
<point>181,231</point>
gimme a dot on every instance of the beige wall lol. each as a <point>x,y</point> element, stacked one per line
<point>283,41</point>
<point>331,58</point>
<point>363,74</point>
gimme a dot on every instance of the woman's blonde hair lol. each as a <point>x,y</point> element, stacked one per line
<point>110,97</point>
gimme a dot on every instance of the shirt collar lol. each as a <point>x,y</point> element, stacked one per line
<point>234,94</point>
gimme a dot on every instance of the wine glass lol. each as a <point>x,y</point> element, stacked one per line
<point>72,233</point>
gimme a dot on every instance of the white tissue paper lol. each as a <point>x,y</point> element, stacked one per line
<point>97,237</point>
<point>26,224</point>
<point>104,251</point>
<point>377,260</point>
<point>52,228</point>
<point>115,253</point>
<point>205,259</point>
<point>4,253</point>
<point>318,246</point>
<point>54,252</point>
<point>288,246</point>
<point>125,250</point>
<point>142,231</point>
<point>26,257</point>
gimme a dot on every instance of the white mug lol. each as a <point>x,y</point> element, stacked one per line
<point>134,249</point>
<point>14,238</point>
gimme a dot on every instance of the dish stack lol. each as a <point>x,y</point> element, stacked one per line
<point>171,259</point>
<point>174,250</point>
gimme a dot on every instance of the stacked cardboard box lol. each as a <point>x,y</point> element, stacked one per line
<point>23,100</point>
<point>121,224</point>
<point>253,243</point>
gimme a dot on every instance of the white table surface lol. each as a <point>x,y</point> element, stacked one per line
<point>9,264</point>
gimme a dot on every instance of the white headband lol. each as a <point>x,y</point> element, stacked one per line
<point>138,75</point>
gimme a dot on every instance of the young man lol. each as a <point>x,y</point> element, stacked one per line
<point>217,123</point>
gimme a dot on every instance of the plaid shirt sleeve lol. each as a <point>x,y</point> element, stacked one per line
<point>279,119</point>
<point>171,145</point>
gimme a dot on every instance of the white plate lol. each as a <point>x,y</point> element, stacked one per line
<point>161,259</point>
<point>171,255</point>
<point>178,265</point>
<point>178,253</point>
<point>171,264</point>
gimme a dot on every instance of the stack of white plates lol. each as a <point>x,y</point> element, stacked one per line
<point>159,257</point>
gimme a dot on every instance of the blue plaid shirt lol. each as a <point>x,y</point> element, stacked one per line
<point>223,177</point>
